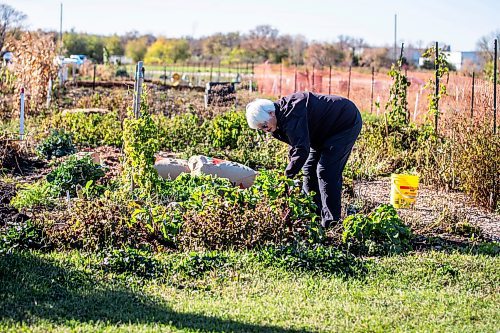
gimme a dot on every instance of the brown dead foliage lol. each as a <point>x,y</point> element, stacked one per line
<point>223,226</point>
<point>9,214</point>
<point>33,65</point>
<point>93,226</point>
<point>13,155</point>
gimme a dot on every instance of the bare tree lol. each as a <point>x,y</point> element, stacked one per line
<point>296,49</point>
<point>264,43</point>
<point>323,54</point>
<point>10,21</point>
<point>485,45</point>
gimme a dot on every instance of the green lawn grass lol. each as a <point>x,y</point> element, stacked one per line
<point>424,292</point>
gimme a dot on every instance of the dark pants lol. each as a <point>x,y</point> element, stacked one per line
<point>323,172</point>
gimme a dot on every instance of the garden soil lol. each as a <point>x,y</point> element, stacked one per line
<point>429,206</point>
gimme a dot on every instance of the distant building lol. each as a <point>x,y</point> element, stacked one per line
<point>459,59</point>
<point>412,56</point>
<point>120,60</point>
<point>7,57</point>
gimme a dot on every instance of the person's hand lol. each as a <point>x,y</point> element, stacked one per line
<point>288,190</point>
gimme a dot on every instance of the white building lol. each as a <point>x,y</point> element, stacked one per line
<point>120,60</point>
<point>459,59</point>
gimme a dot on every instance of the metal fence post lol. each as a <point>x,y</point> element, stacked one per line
<point>21,116</point>
<point>93,80</point>
<point>139,78</point>
<point>49,93</point>
<point>436,67</point>
<point>495,88</point>
<point>312,76</point>
<point>373,84</point>
<point>472,96</point>
<point>349,82</point>
<point>330,81</point>
<point>281,76</point>
<point>295,79</point>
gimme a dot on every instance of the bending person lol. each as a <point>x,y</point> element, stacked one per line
<point>321,131</point>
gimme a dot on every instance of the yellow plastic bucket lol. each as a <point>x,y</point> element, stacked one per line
<point>403,190</point>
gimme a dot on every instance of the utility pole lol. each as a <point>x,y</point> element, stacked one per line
<point>60,30</point>
<point>395,37</point>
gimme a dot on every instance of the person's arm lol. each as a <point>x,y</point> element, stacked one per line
<point>298,136</point>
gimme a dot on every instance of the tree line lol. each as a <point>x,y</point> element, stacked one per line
<point>263,43</point>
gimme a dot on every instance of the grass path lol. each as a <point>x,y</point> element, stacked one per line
<point>65,292</point>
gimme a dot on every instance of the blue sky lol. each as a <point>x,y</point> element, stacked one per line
<point>457,23</point>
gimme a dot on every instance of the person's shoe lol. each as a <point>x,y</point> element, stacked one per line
<point>329,223</point>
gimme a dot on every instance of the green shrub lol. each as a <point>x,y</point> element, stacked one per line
<point>160,220</point>
<point>316,258</point>
<point>182,188</point>
<point>38,194</point>
<point>140,143</point>
<point>274,186</point>
<point>74,172</point>
<point>57,144</point>
<point>197,264</point>
<point>219,215</point>
<point>379,232</point>
<point>89,129</point>
<point>180,132</point>
<point>121,72</point>
<point>225,136</point>
<point>476,162</point>
<point>21,235</point>
<point>130,260</point>
<point>224,130</point>
<point>466,159</point>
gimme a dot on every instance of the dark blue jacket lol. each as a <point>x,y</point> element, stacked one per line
<point>306,120</point>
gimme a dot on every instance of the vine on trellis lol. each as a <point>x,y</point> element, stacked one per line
<point>398,115</point>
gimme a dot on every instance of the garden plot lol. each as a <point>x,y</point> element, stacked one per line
<point>117,224</point>
<point>435,212</point>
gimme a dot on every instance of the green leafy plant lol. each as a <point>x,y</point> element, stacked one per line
<point>398,115</point>
<point>74,172</point>
<point>197,264</point>
<point>140,143</point>
<point>89,129</point>
<point>381,231</point>
<point>442,68</point>
<point>38,194</point>
<point>130,260</point>
<point>224,130</point>
<point>219,215</point>
<point>159,220</point>
<point>316,258</point>
<point>57,144</point>
<point>21,235</point>
<point>180,132</point>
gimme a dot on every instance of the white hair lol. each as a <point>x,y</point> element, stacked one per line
<point>258,112</point>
